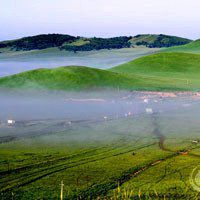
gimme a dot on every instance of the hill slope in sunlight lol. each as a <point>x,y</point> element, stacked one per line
<point>162,71</point>
<point>193,47</point>
<point>182,69</point>
<point>67,78</point>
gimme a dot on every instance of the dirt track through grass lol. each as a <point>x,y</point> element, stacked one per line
<point>102,189</point>
<point>17,183</point>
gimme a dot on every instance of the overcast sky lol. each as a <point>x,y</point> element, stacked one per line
<point>103,18</point>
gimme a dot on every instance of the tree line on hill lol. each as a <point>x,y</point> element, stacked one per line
<point>68,42</point>
<point>100,43</point>
<point>39,42</point>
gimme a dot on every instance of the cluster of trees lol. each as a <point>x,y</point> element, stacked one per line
<point>99,43</point>
<point>164,41</point>
<point>3,45</point>
<point>65,42</point>
<point>38,42</point>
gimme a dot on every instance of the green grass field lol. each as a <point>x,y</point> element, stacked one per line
<point>94,159</point>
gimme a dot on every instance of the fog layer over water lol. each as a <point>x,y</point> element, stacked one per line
<point>51,111</point>
<point>16,62</point>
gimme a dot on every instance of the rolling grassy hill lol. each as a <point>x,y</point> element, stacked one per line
<point>193,47</point>
<point>162,64</point>
<point>80,78</point>
<point>161,71</point>
<point>66,78</point>
<point>179,69</point>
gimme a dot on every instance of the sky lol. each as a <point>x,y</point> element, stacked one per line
<point>100,18</point>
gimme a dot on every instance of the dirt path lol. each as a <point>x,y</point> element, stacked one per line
<point>157,132</point>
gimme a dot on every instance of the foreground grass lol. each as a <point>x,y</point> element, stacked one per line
<point>94,159</point>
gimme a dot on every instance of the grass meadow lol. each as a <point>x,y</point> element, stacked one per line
<point>136,157</point>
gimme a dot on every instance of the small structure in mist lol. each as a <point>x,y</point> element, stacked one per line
<point>146,101</point>
<point>195,141</point>
<point>10,122</point>
<point>149,110</point>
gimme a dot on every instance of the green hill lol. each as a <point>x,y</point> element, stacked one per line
<point>158,41</point>
<point>162,71</point>
<point>67,78</point>
<point>179,69</point>
<point>78,78</point>
<point>193,47</point>
<point>163,63</point>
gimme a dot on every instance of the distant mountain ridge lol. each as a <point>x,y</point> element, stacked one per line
<point>72,43</point>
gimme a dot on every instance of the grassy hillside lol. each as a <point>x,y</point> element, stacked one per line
<point>162,64</point>
<point>162,71</point>
<point>66,78</point>
<point>180,69</point>
<point>152,40</point>
<point>193,47</point>
<point>92,159</point>
<point>81,78</point>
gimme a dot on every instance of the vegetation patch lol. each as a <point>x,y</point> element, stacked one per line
<point>158,41</point>
<point>71,43</point>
